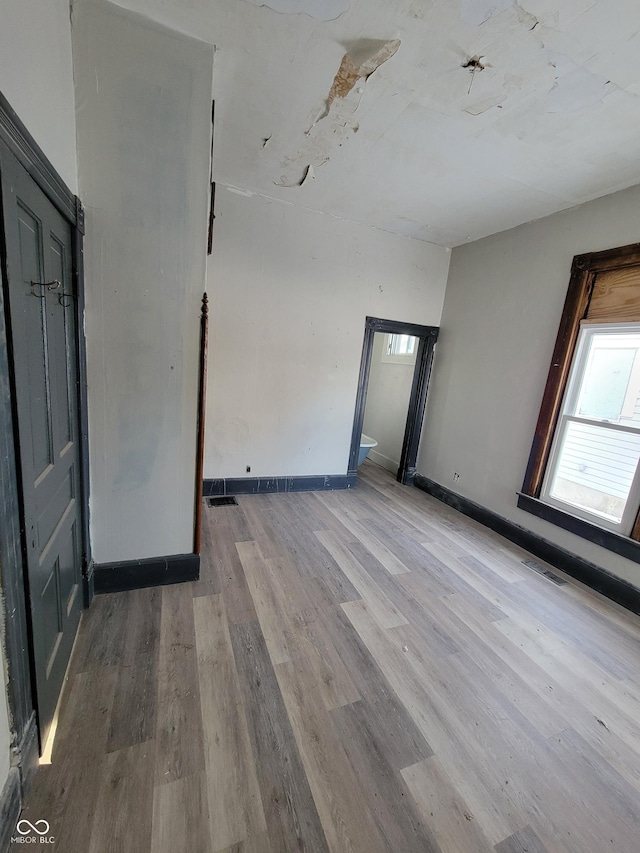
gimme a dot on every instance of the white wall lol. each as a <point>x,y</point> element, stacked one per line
<point>385,417</point>
<point>144,122</point>
<point>36,78</point>
<point>290,291</point>
<point>502,310</point>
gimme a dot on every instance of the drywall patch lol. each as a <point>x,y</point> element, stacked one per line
<point>321,10</point>
<point>477,12</point>
<point>574,87</point>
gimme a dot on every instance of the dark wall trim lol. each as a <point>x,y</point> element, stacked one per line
<point>588,573</point>
<point>138,574</point>
<point>88,584</point>
<point>21,700</point>
<point>584,271</point>
<point>83,406</point>
<point>622,545</point>
<point>271,485</point>
<point>427,336</point>
<point>15,134</point>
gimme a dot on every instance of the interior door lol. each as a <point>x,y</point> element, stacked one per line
<point>42,320</point>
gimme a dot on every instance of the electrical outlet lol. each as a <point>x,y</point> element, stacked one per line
<point>456,476</point>
<point>248,469</point>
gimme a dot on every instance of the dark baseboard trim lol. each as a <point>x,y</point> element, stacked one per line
<point>10,808</point>
<point>588,573</point>
<point>88,585</point>
<point>138,574</point>
<point>271,485</point>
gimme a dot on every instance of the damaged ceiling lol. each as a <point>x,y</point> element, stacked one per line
<point>364,109</point>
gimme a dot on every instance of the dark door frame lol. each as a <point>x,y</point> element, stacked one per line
<point>16,141</point>
<point>427,336</point>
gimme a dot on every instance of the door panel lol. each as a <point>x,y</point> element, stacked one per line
<point>43,335</point>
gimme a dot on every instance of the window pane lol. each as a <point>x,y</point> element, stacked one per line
<point>595,468</point>
<point>401,345</point>
<point>606,380</point>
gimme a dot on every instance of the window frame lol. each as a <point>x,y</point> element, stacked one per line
<point>568,414</point>
<point>584,270</point>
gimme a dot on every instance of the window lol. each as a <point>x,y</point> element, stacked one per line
<point>584,468</point>
<point>401,349</point>
<point>593,465</point>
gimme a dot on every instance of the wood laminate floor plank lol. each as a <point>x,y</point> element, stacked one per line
<point>238,603</point>
<point>523,841</point>
<point>453,826</point>
<point>179,733</point>
<point>294,531</point>
<point>180,818</point>
<point>553,693</point>
<point>401,739</point>
<point>354,672</point>
<point>269,608</point>
<point>287,618</point>
<point>290,812</point>
<point>344,811</point>
<point>376,546</point>
<point>465,758</point>
<point>383,609</point>
<point>395,815</point>
<point>65,792</point>
<point>209,581</point>
<point>100,643</point>
<point>133,715</point>
<point>235,806</point>
<point>123,815</point>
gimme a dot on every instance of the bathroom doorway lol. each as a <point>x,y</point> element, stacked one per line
<point>392,393</point>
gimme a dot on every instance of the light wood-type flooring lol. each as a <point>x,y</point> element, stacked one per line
<point>364,671</point>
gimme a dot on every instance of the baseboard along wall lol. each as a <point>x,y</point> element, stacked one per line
<point>588,573</point>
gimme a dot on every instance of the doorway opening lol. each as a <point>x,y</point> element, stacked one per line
<point>397,359</point>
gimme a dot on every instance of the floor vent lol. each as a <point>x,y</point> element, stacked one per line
<point>545,572</point>
<point>225,500</point>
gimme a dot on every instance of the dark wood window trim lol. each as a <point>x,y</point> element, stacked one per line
<point>622,545</point>
<point>584,270</point>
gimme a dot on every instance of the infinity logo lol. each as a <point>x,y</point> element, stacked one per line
<point>24,827</point>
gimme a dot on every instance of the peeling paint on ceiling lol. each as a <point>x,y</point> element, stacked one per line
<point>349,73</point>
<point>322,10</point>
<point>336,124</point>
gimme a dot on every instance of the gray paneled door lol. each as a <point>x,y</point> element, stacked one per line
<point>43,344</point>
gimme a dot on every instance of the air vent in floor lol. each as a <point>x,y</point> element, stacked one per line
<point>545,572</point>
<point>225,500</point>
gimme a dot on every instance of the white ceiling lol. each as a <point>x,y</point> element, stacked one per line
<point>552,121</point>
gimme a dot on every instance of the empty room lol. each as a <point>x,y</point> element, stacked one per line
<point>325,314</point>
